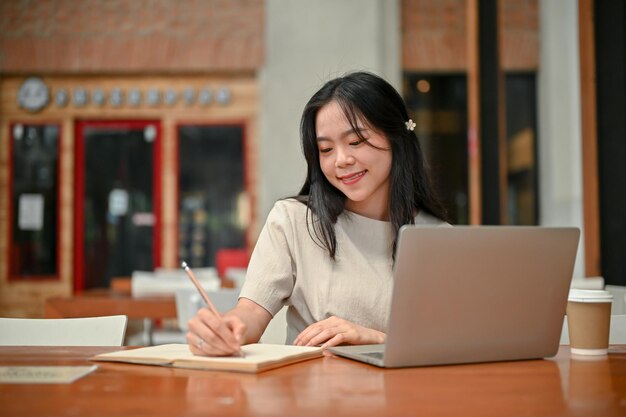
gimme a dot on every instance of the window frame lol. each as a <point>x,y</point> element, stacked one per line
<point>13,275</point>
<point>245,164</point>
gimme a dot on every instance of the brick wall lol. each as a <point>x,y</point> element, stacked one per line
<point>221,35</point>
<point>434,38</point>
<point>131,35</point>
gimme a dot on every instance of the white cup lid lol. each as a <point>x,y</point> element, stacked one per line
<point>590,296</point>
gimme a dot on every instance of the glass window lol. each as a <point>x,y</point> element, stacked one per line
<point>438,105</point>
<point>521,128</point>
<point>34,219</point>
<point>213,202</point>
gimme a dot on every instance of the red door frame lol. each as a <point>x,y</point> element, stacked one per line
<point>79,186</point>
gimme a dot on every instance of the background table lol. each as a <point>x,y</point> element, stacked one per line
<point>106,302</point>
<point>331,386</point>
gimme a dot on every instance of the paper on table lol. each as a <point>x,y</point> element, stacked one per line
<point>43,374</point>
<point>30,212</point>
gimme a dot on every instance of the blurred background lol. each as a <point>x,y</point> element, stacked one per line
<point>137,133</point>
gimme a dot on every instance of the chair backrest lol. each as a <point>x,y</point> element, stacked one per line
<point>276,331</point>
<point>226,258</point>
<point>188,302</point>
<point>86,331</point>
<point>619,298</point>
<point>618,329</point>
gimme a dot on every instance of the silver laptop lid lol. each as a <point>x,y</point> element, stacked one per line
<point>475,294</point>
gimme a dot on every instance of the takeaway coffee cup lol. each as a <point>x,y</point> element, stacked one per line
<point>589,321</point>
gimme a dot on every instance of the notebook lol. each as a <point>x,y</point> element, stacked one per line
<point>470,294</point>
<point>257,357</point>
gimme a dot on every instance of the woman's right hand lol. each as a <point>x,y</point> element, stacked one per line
<point>210,335</point>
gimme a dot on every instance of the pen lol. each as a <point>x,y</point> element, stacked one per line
<point>203,293</point>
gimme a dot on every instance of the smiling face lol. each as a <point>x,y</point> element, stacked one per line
<point>358,168</point>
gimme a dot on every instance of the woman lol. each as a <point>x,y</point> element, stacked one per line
<point>328,252</point>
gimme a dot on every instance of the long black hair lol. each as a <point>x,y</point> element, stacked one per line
<point>365,96</point>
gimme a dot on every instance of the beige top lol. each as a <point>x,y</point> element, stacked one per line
<point>287,267</point>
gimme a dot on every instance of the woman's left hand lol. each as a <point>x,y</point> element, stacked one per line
<point>335,331</point>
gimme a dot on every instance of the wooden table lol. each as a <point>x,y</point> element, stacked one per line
<point>106,302</point>
<point>327,387</point>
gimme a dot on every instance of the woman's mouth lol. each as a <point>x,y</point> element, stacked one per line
<point>352,178</point>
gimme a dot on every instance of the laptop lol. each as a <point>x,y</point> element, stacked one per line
<point>469,294</point>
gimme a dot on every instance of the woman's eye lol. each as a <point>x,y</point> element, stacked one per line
<point>325,150</point>
<point>357,142</point>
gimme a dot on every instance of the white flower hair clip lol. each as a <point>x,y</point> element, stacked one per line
<point>410,125</point>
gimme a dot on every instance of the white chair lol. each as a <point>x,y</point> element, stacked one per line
<point>236,275</point>
<point>618,329</point>
<point>619,298</point>
<point>588,283</point>
<point>188,302</point>
<point>86,331</point>
<point>276,331</point>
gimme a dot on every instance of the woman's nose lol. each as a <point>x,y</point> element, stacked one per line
<point>344,157</point>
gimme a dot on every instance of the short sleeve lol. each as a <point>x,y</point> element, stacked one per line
<point>271,272</point>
